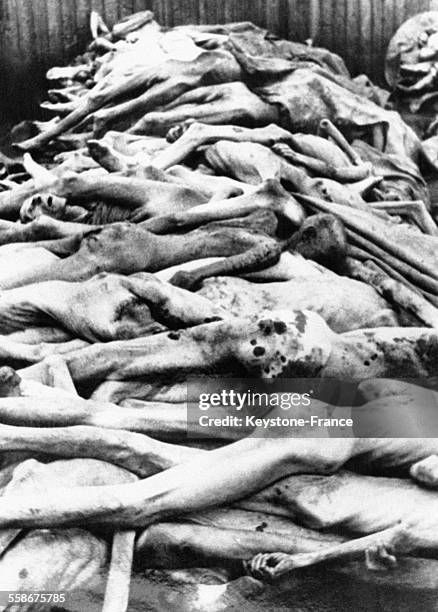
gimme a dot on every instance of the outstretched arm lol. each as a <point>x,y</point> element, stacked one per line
<point>257,258</point>
<point>216,104</point>
<point>378,549</point>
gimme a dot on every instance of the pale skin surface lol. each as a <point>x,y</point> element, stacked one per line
<point>252,161</point>
<point>269,195</point>
<point>378,548</point>
<point>335,298</point>
<point>305,344</point>
<point>209,66</point>
<point>191,487</point>
<point>161,82</point>
<point>216,104</point>
<point>154,196</point>
<point>120,248</point>
<point>78,568</point>
<point>106,307</point>
<point>374,351</point>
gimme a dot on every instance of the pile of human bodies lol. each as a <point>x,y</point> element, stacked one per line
<point>212,200</point>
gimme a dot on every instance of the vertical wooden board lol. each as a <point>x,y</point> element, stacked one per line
<point>258,9</point>
<point>166,12</point>
<point>423,5</point>
<point>177,12</point>
<point>7,38</point>
<point>22,31</point>
<point>140,5</point>
<point>161,14</point>
<point>273,15</point>
<point>324,23</point>
<point>40,12</point>
<point>414,7</point>
<point>337,26</point>
<point>83,11</point>
<point>157,8</point>
<point>69,31</point>
<point>314,19</point>
<point>246,7</point>
<point>30,70</point>
<point>40,43</point>
<point>353,46</point>
<point>298,20</point>
<point>124,8</point>
<point>10,52</point>
<point>389,18</point>
<point>407,8</point>
<point>202,11</point>
<point>216,11</point>
<point>185,12</point>
<point>54,20</point>
<point>377,42</point>
<point>281,19</point>
<point>262,14</point>
<point>411,8</point>
<point>111,12</point>
<point>427,5</point>
<point>364,60</point>
<point>9,31</point>
<point>344,37</point>
<point>230,11</point>
<point>98,6</point>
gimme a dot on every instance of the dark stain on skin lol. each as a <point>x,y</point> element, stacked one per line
<point>128,308</point>
<point>173,336</point>
<point>280,327</point>
<point>253,342</point>
<point>23,573</point>
<point>261,527</point>
<point>308,366</point>
<point>212,319</point>
<point>259,351</point>
<point>300,322</point>
<point>427,350</point>
<point>400,359</point>
<point>266,326</point>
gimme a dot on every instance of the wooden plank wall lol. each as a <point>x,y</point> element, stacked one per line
<point>36,34</point>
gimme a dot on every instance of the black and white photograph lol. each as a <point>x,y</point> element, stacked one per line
<point>218,305</point>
